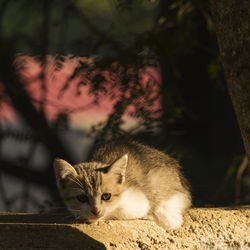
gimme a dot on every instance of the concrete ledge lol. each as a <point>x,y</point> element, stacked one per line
<point>204,228</point>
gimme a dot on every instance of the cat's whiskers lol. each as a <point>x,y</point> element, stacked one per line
<point>76,219</point>
<point>68,216</point>
<point>74,210</point>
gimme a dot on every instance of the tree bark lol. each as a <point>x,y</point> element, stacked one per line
<point>232,26</point>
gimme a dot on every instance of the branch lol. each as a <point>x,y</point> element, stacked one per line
<point>98,32</point>
<point>239,174</point>
<point>22,103</point>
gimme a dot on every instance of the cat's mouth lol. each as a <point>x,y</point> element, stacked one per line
<point>94,217</point>
<point>90,219</point>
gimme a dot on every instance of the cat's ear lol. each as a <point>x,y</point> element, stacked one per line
<point>62,170</point>
<point>118,168</point>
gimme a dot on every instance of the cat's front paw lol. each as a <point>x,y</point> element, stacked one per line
<point>170,222</point>
<point>173,222</point>
<point>169,213</point>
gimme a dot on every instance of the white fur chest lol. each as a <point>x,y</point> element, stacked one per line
<point>133,205</point>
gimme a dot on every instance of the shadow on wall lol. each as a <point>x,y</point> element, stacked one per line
<point>43,236</point>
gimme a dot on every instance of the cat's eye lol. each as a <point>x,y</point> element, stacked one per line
<point>106,196</point>
<point>82,198</point>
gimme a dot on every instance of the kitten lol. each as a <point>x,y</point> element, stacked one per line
<point>125,181</point>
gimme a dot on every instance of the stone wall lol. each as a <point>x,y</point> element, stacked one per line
<point>204,228</point>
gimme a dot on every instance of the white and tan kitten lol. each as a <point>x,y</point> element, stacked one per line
<point>125,181</point>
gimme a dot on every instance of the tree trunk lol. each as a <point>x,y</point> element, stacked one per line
<point>232,25</point>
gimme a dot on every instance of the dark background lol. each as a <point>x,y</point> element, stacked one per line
<point>196,124</point>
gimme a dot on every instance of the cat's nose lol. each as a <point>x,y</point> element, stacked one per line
<point>95,211</point>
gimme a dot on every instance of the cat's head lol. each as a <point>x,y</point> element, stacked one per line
<point>91,190</point>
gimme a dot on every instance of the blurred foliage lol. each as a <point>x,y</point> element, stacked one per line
<point>197,124</point>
